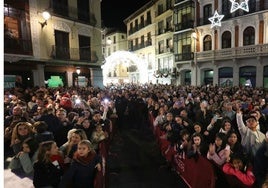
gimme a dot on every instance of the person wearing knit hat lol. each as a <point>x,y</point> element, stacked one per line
<point>66,103</point>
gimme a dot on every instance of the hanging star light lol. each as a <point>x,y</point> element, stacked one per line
<point>216,19</point>
<point>235,6</point>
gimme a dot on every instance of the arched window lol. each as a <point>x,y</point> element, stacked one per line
<point>249,36</point>
<point>226,40</point>
<point>207,43</point>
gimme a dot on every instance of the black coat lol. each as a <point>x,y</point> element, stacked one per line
<point>46,174</point>
<point>80,175</point>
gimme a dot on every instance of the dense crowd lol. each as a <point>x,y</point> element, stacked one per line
<point>56,133</point>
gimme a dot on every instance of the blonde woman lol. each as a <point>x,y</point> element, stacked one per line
<point>74,137</point>
<point>21,131</point>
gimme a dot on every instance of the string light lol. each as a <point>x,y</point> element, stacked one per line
<point>216,19</point>
<point>235,6</point>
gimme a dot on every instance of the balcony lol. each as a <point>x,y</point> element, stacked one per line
<point>141,45</point>
<point>231,53</point>
<point>166,72</point>
<point>76,54</point>
<point>162,11</point>
<point>74,13</point>
<point>184,56</point>
<point>17,46</point>
<point>184,25</point>
<point>165,49</point>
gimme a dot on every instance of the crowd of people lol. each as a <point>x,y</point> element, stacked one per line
<point>55,134</point>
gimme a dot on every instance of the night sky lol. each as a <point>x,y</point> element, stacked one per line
<point>115,11</point>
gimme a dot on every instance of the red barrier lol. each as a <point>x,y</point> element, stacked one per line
<point>196,173</point>
<point>99,180</point>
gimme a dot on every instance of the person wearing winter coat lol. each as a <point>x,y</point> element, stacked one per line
<point>49,167</point>
<point>82,170</point>
<point>26,157</point>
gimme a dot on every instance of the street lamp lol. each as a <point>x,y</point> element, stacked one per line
<point>194,37</point>
<point>46,15</point>
<point>78,71</point>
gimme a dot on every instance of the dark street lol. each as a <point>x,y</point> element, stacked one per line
<point>139,163</point>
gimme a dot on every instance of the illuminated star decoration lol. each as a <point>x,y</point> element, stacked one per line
<point>216,19</point>
<point>235,6</point>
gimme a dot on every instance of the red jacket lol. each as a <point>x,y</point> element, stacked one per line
<point>247,178</point>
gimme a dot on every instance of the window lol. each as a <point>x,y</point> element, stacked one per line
<point>184,16</point>
<point>170,44</point>
<point>136,24</point>
<point>161,27</point>
<point>83,10</point>
<point>186,52</point>
<point>169,4</point>
<point>160,9</point>
<point>84,47</point>
<point>142,41</point>
<point>161,47</point>
<point>207,13</point>
<point>62,45</point>
<point>249,36</point>
<point>226,40</point>
<point>136,42</point>
<point>169,23</point>
<point>182,46</point>
<point>252,6</point>
<point>207,43</point>
<point>226,7</point>
<point>17,31</point>
<point>149,20</point>
<point>149,39</point>
<point>60,7</point>
<point>142,21</point>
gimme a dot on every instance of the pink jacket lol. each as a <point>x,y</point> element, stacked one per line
<point>219,158</point>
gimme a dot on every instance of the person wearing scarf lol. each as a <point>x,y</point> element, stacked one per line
<point>83,168</point>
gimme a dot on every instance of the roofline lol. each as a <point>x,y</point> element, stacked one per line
<point>139,11</point>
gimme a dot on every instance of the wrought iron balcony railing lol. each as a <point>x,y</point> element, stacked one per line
<point>17,46</point>
<point>81,54</point>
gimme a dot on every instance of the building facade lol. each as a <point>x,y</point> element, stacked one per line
<point>61,50</point>
<point>114,41</point>
<point>189,50</point>
<point>141,38</point>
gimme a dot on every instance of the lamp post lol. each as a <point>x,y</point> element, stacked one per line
<point>194,37</point>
